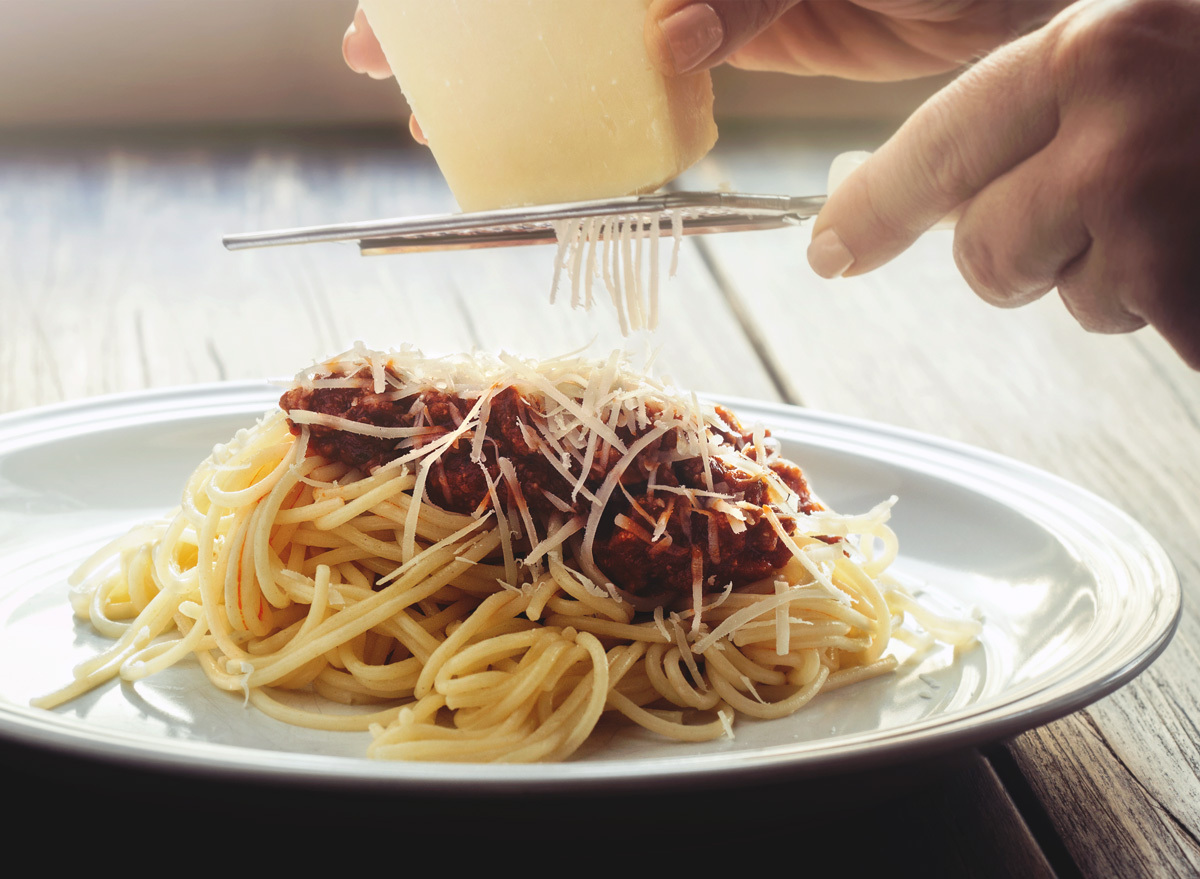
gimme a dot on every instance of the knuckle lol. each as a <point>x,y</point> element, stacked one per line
<point>999,277</point>
<point>1115,45</point>
<point>1097,312</point>
<point>1128,24</point>
<point>977,263</point>
<point>1120,178</point>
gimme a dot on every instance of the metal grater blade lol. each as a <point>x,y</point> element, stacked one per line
<point>687,213</point>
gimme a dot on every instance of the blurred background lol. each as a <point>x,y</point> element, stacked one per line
<point>170,62</point>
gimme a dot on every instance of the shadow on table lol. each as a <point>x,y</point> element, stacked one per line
<point>938,816</point>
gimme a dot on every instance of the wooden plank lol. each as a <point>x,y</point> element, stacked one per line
<point>1072,766</point>
<point>112,261</point>
<point>911,345</point>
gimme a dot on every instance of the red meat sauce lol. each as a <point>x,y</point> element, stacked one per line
<point>632,561</point>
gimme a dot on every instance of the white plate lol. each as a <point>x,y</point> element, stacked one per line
<point>1076,597</point>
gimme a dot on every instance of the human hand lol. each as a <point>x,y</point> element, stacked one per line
<point>363,54</point>
<point>1072,155</point>
<point>865,39</point>
<point>853,39</point>
<point>361,49</point>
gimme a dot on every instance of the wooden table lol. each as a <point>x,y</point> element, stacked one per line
<point>113,279</point>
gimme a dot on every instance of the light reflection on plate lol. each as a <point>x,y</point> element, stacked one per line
<point>1076,599</point>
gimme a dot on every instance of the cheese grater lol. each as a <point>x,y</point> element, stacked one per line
<point>674,213</point>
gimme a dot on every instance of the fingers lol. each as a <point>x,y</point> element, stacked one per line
<point>1140,272</point>
<point>414,128</point>
<point>1096,287</point>
<point>1025,234</point>
<point>980,126</point>
<point>361,49</point>
<point>684,35</point>
<point>1017,237</point>
<point>1070,165</point>
<point>363,54</point>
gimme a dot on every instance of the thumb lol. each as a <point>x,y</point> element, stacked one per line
<point>985,123</point>
<point>683,36</point>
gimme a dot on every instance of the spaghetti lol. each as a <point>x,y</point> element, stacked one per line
<point>490,554</point>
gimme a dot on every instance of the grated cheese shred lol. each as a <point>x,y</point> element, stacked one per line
<point>622,252</point>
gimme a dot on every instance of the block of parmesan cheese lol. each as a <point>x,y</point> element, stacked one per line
<point>542,101</point>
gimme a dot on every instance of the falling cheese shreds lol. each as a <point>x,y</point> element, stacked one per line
<point>622,252</point>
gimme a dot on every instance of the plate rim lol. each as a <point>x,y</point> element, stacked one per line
<point>44,730</point>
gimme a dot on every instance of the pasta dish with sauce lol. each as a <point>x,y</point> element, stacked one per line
<point>491,553</point>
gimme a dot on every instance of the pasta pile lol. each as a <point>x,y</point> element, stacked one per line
<point>492,634</point>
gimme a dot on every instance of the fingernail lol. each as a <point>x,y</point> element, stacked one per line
<point>829,256</point>
<point>692,34</point>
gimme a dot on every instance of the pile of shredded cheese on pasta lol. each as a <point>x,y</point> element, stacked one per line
<point>490,635</point>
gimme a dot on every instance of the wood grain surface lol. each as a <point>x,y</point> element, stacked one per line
<point>113,279</point>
